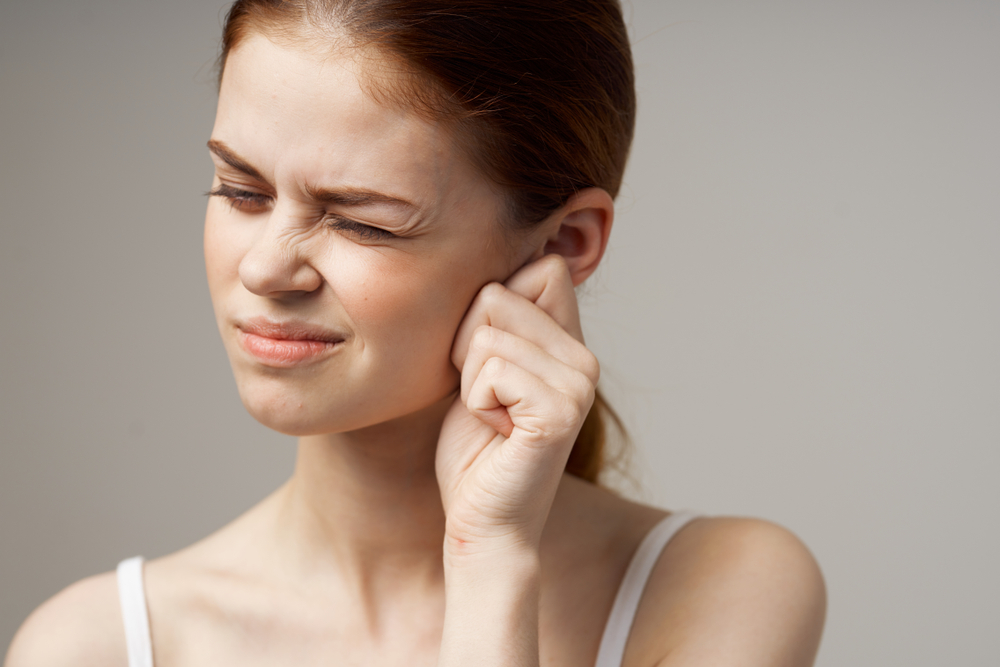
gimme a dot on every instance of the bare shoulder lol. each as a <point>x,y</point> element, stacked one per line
<point>80,626</point>
<point>731,591</point>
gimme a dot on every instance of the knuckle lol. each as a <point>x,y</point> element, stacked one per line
<point>494,366</point>
<point>590,367</point>
<point>571,414</point>
<point>585,361</point>
<point>583,388</point>
<point>484,337</point>
<point>491,293</point>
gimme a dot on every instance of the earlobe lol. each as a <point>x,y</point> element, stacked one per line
<point>583,225</point>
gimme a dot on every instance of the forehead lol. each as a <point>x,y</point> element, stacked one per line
<point>311,118</point>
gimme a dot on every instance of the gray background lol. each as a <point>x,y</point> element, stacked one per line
<point>799,315</point>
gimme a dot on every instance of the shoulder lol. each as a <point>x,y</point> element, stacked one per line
<point>728,591</point>
<point>80,626</point>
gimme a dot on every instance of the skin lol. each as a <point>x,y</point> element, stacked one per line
<point>428,521</point>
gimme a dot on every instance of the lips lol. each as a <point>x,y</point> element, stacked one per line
<point>285,344</point>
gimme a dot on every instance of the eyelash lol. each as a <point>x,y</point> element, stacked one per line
<point>239,199</point>
<point>244,200</point>
<point>365,232</point>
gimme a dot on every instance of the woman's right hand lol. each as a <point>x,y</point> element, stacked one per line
<point>528,382</point>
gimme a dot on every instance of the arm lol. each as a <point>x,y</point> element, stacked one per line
<point>491,611</point>
<point>527,384</point>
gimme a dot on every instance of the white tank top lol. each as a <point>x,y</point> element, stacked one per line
<point>132,596</point>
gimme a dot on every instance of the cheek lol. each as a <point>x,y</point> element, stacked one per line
<point>223,251</point>
<point>405,305</point>
<point>405,311</point>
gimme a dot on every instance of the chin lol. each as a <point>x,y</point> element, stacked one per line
<point>296,411</point>
<point>283,406</point>
<point>302,421</point>
<point>289,417</point>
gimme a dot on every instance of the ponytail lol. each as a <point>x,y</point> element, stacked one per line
<point>590,456</point>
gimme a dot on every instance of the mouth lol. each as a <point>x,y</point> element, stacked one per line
<point>286,344</point>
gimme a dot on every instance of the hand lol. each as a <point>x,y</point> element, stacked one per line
<point>528,382</point>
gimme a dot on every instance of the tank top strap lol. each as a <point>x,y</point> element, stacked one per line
<point>132,596</point>
<point>619,624</point>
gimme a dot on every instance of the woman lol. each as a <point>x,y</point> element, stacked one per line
<point>406,194</point>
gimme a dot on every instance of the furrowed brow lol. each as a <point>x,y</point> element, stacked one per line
<point>342,196</point>
<point>354,197</point>
<point>227,155</point>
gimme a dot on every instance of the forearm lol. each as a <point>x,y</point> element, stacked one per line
<point>491,613</point>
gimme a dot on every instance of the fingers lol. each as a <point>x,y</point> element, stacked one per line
<point>575,379</point>
<point>512,400</point>
<point>548,284</point>
<point>554,327</point>
<point>521,353</point>
<point>510,383</point>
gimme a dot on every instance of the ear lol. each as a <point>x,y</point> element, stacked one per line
<point>580,230</point>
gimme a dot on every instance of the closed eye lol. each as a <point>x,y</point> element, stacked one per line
<point>241,200</point>
<point>361,230</point>
<point>254,202</point>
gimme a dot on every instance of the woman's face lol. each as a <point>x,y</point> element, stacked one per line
<point>346,241</point>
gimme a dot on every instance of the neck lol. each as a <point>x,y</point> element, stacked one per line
<point>367,502</point>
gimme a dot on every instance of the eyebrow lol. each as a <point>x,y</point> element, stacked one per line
<point>227,155</point>
<point>342,196</point>
<point>354,197</point>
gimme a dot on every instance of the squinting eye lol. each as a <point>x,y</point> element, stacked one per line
<point>363,231</point>
<point>242,200</point>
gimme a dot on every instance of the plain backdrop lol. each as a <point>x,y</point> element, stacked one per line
<point>799,315</point>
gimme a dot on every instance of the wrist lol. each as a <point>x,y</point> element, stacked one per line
<point>471,542</point>
<point>489,565</point>
<point>501,578</point>
<point>491,608</point>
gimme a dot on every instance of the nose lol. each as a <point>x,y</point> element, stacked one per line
<point>277,264</point>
